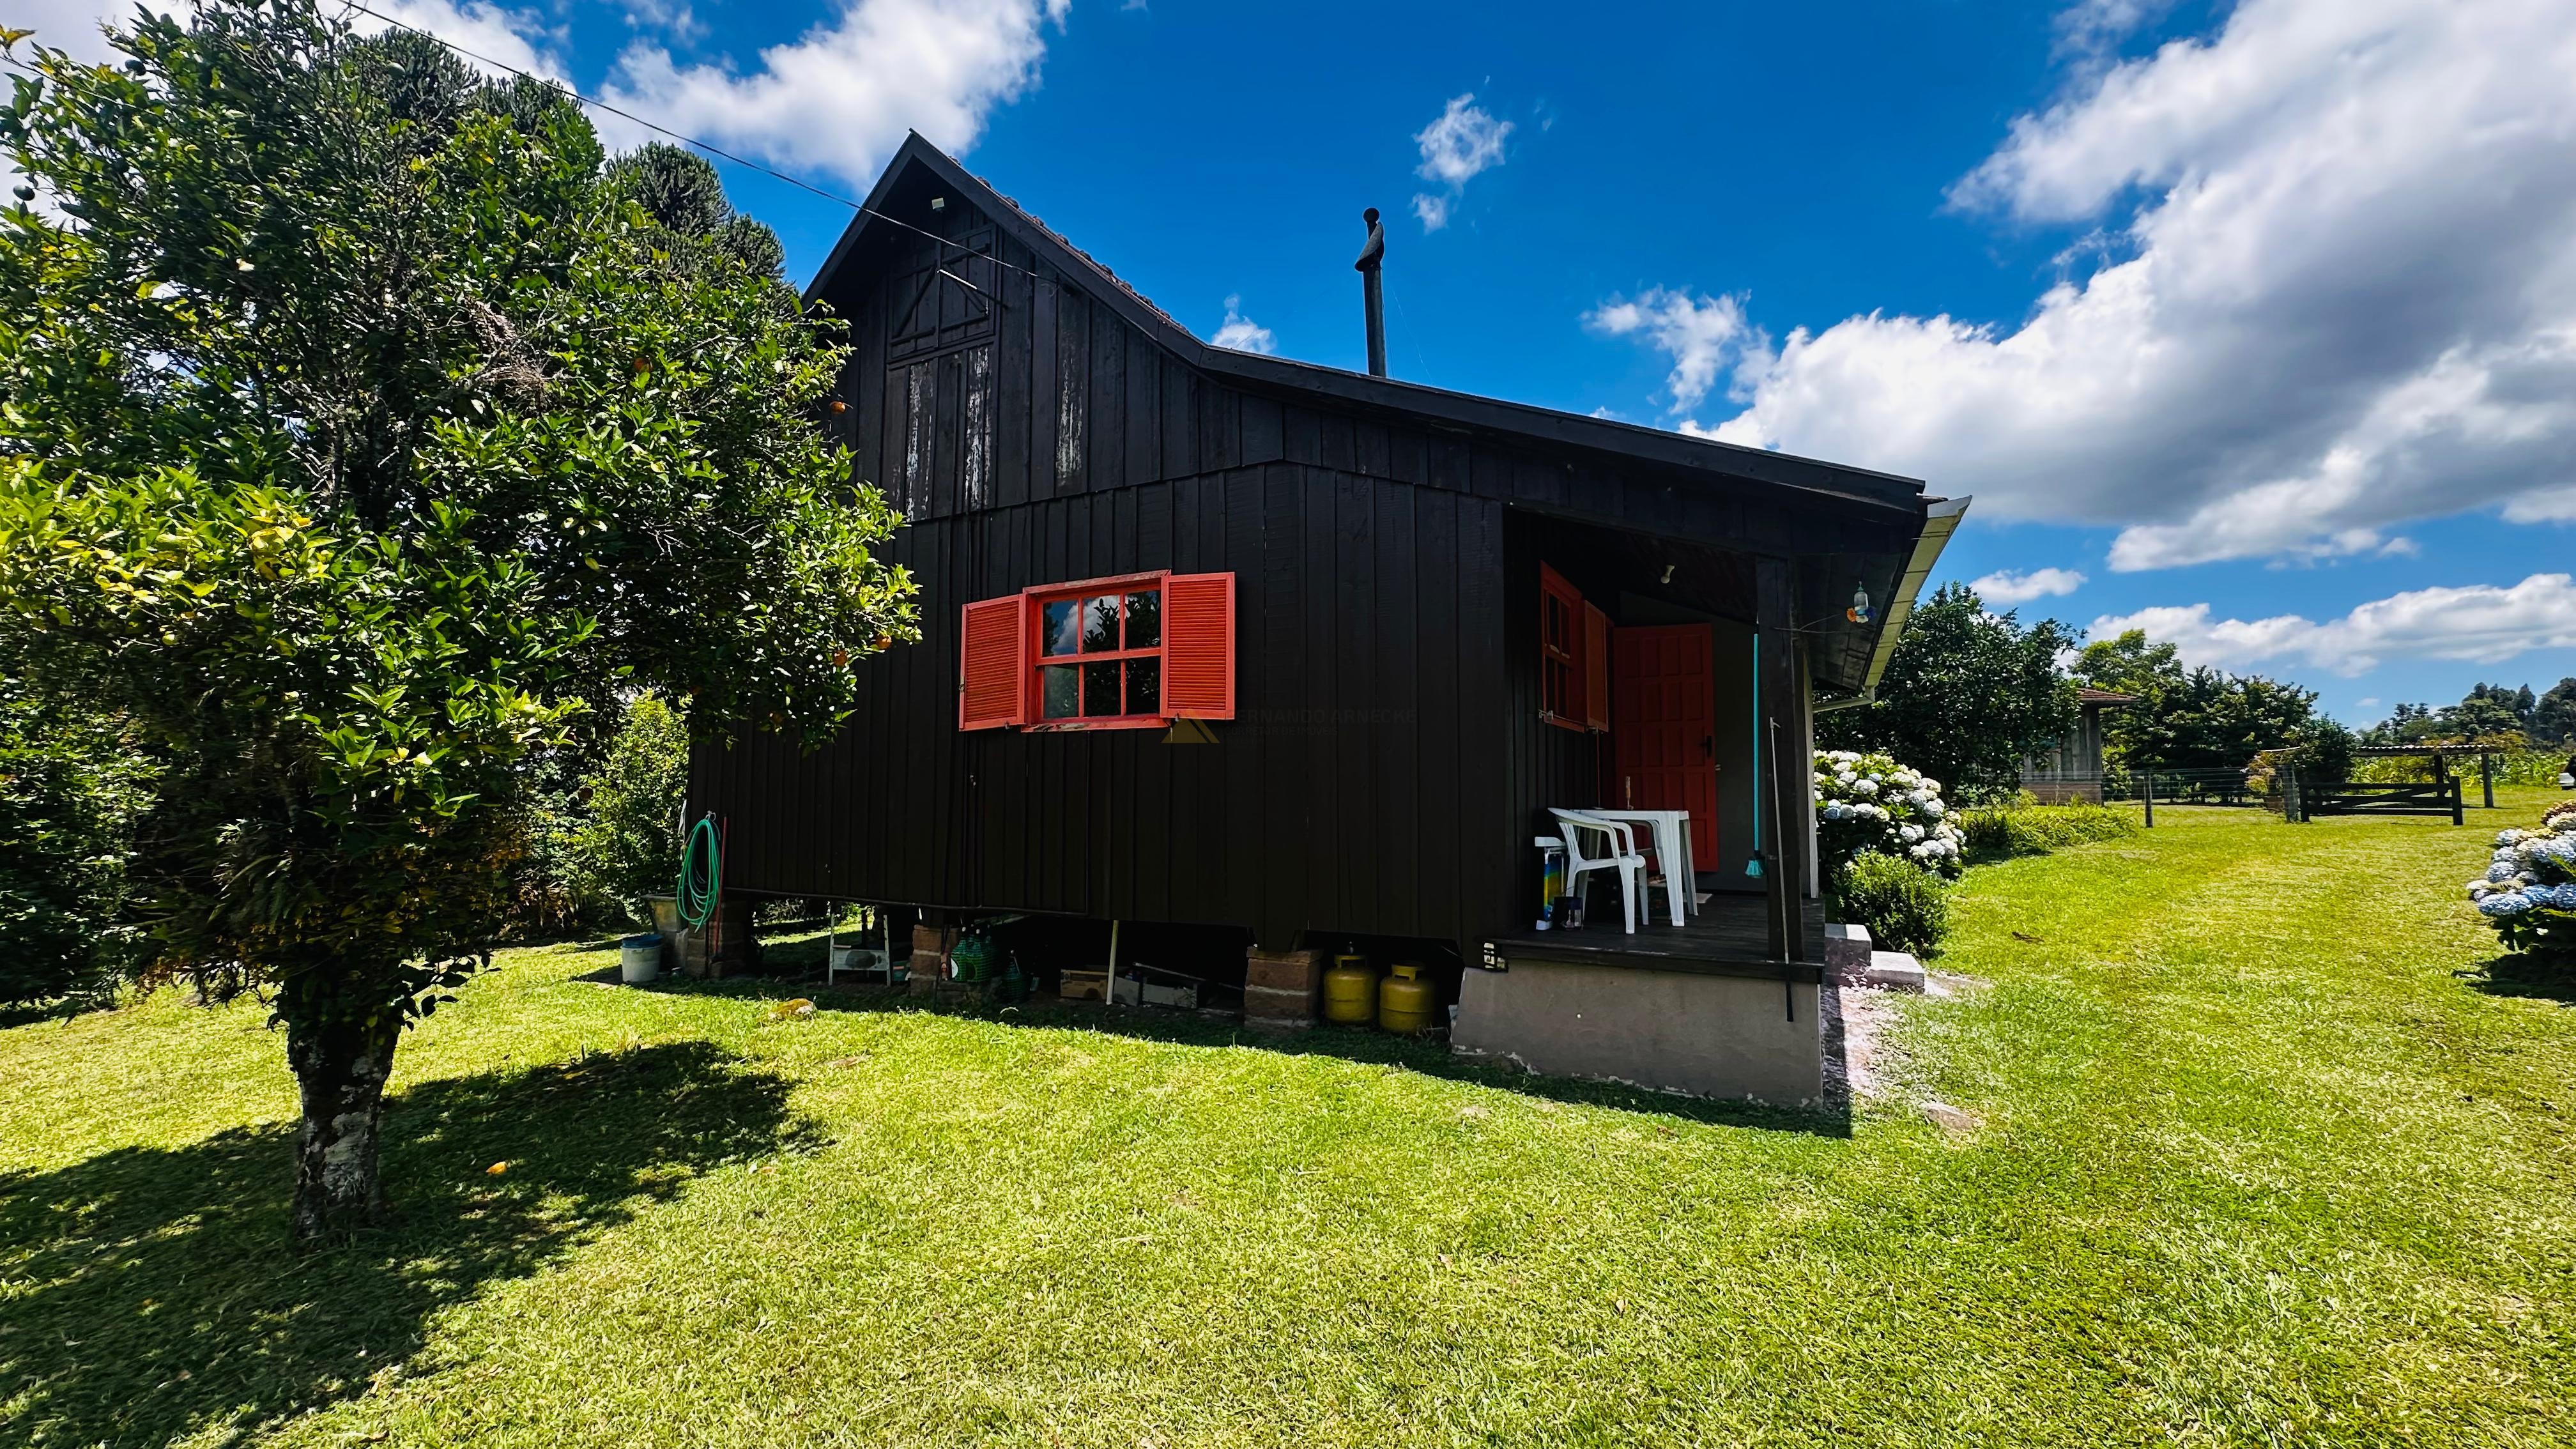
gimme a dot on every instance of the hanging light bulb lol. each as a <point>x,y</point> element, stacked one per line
<point>1858,613</point>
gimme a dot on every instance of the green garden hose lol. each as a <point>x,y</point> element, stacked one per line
<point>701,874</point>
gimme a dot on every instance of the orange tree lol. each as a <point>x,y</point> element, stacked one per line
<point>359,440</point>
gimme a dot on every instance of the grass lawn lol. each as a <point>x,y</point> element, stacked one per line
<point>2265,1158</point>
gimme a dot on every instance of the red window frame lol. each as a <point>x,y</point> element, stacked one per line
<point>1560,651</point>
<point>1001,655</point>
<point>1036,661</point>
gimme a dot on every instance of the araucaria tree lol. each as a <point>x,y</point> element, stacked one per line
<point>358,438</point>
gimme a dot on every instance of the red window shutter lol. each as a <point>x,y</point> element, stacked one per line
<point>990,672</point>
<point>1596,668</point>
<point>1198,646</point>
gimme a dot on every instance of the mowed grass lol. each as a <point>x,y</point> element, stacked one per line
<point>2265,1158</point>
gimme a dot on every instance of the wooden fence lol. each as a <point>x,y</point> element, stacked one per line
<point>2312,800</point>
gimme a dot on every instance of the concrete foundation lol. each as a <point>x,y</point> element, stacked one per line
<point>1669,1031</point>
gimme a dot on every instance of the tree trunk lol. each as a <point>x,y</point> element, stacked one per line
<point>340,1071</point>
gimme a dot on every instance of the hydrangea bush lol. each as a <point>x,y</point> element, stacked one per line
<point>1868,802</point>
<point>2529,890</point>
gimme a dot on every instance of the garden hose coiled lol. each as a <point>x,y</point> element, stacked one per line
<point>701,874</point>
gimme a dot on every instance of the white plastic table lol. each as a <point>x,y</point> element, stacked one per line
<point>1672,852</point>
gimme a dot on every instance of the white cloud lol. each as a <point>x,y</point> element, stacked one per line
<point>2011,586</point>
<point>2091,27</point>
<point>839,98</point>
<point>671,16</point>
<point>1461,142</point>
<point>2481,623</point>
<point>516,40</point>
<point>506,36</point>
<point>1242,333</point>
<point>510,38</point>
<point>2332,291</point>
<point>1700,334</point>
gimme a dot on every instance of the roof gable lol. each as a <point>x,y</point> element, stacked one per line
<point>918,164</point>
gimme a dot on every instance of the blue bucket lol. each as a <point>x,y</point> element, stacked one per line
<point>639,959</point>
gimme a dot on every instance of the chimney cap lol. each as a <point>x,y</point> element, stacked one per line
<point>1375,250</point>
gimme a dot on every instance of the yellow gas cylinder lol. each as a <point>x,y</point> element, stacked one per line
<point>1350,990</point>
<point>1404,1001</point>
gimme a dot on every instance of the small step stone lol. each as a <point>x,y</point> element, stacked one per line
<point>1894,971</point>
<point>1847,952</point>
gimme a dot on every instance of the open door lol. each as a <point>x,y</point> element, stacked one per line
<point>1663,726</point>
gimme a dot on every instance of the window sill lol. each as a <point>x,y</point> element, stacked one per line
<point>1121,722</point>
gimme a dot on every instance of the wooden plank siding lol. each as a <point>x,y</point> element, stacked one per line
<point>1061,395</point>
<point>1331,803</point>
<point>1387,765</point>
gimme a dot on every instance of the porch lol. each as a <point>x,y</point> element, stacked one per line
<point>1729,937</point>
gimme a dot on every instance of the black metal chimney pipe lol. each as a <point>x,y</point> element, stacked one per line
<point>1372,256</point>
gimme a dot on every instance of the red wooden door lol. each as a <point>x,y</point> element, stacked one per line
<point>1663,727</point>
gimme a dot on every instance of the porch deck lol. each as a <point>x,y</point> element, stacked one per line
<point>1727,938</point>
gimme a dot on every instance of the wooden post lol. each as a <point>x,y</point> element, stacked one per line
<point>1785,778</point>
<point>2486,776</point>
<point>2456,793</point>
<point>2149,776</point>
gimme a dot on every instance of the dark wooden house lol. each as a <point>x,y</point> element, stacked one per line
<point>1226,640</point>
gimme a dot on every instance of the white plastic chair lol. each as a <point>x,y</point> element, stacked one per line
<point>1620,855</point>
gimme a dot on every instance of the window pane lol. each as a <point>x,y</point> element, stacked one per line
<point>1099,624</point>
<point>1060,635</point>
<point>1144,686</point>
<point>1063,689</point>
<point>1144,619</point>
<point>1100,688</point>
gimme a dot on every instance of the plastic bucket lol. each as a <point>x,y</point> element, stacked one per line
<point>639,959</point>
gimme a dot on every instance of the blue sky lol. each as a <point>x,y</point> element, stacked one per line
<point>2259,318</point>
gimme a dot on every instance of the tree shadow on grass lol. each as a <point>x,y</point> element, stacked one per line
<point>150,1293</point>
<point>1432,1058</point>
<point>2526,976</point>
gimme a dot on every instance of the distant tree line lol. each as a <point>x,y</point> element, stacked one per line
<point>1971,693</point>
<point>2204,718</point>
<point>2488,712</point>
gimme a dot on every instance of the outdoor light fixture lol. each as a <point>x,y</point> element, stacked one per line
<point>1858,613</point>
<point>939,203</point>
<point>1668,574</point>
